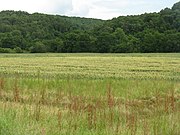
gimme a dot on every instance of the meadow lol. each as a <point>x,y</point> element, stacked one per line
<point>90,94</point>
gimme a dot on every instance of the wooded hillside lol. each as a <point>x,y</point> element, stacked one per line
<point>149,32</point>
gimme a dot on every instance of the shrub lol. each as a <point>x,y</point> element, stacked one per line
<point>6,50</point>
<point>18,50</point>
<point>39,47</point>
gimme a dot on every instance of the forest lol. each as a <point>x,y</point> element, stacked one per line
<point>21,32</point>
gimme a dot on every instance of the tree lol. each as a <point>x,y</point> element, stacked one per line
<point>104,42</point>
<point>149,32</point>
<point>8,41</point>
<point>54,45</point>
<point>172,43</point>
<point>151,41</point>
<point>176,6</point>
<point>85,43</point>
<point>70,42</point>
<point>120,41</point>
<point>12,40</point>
<point>133,44</point>
<point>38,47</point>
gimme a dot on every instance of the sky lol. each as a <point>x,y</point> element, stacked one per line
<point>101,9</point>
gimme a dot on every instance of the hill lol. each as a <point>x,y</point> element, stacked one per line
<point>152,32</point>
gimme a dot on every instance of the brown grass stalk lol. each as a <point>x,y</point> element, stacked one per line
<point>110,97</point>
<point>43,98</point>
<point>155,129</point>
<point>166,105</point>
<point>16,91</point>
<point>2,83</point>
<point>91,116</point>
<point>43,131</point>
<point>172,101</point>
<point>110,100</point>
<point>59,116</point>
<point>37,111</point>
<point>145,127</point>
<point>118,126</point>
<point>132,123</point>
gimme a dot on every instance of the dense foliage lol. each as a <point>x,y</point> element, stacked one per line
<point>153,32</point>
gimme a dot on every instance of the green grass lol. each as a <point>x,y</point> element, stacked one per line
<point>89,94</point>
<point>93,66</point>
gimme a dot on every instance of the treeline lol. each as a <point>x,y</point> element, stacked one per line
<point>38,33</point>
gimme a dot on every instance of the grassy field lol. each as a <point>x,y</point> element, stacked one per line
<point>90,94</point>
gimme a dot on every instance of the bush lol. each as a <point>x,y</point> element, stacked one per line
<point>6,50</point>
<point>18,50</point>
<point>38,47</point>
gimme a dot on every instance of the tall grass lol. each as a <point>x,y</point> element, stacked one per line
<point>116,100</point>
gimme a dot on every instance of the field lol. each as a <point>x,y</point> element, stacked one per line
<point>89,94</point>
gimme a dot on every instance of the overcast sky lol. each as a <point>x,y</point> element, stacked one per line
<point>102,9</point>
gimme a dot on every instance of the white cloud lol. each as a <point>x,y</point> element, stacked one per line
<point>96,8</point>
<point>62,6</point>
<point>43,6</point>
<point>107,9</point>
<point>80,8</point>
